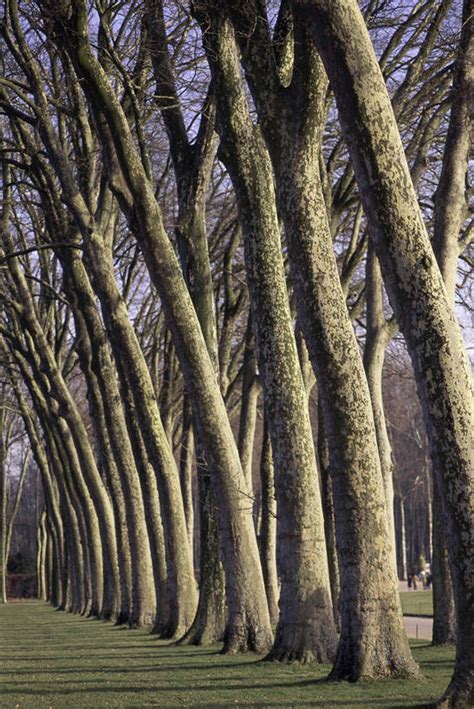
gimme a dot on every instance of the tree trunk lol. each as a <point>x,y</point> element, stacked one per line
<point>192,167</point>
<point>449,215</point>
<point>305,630</point>
<point>268,529</point>
<point>186,460</point>
<point>377,338</point>
<point>124,478</point>
<point>415,289</point>
<point>3,514</point>
<point>402,539</point>
<point>249,623</point>
<point>40,558</point>
<point>210,621</point>
<point>292,110</point>
<point>444,615</point>
<point>329,520</point>
<point>129,610</point>
<point>248,407</point>
<point>136,382</point>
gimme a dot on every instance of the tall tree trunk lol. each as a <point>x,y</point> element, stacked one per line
<point>129,503</point>
<point>129,598</point>
<point>72,488</point>
<point>292,110</point>
<point>209,624</point>
<point>186,461</point>
<point>305,630</point>
<point>415,289</point>
<point>377,338</point>
<point>192,167</point>
<point>248,407</point>
<point>450,213</point>
<point>249,623</point>
<point>401,538</point>
<point>268,529</point>
<point>329,519</point>
<point>137,387</point>
<point>40,557</point>
<point>444,615</point>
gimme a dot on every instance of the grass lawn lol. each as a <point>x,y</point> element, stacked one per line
<point>417,602</point>
<point>54,659</point>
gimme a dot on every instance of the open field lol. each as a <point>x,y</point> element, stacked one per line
<point>53,659</point>
<point>417,602</point>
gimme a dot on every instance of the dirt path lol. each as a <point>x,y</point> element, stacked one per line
<point>420,628</point>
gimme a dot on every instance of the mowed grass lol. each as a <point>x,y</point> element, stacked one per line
<point>417,602</point>
<point>54,659</point>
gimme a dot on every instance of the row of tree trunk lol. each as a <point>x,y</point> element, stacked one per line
<point>116,537</point>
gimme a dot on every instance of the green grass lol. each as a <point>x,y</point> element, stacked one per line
<point>54,659</point>
<point>417,602</point>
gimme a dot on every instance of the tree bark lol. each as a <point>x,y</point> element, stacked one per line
<point>192,165</point>
<point>450,212</point>
<point>329,518</point>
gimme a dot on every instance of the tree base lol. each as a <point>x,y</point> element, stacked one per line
<point>460,692</point>
<point>305,642</point>
<point>300,656</point>
<point>204,631</point>
<point>239,639</point>
<point>372,665</point>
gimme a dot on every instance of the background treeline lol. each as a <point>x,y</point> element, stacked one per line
<point>215,420</point>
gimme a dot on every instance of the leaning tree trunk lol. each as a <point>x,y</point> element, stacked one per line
<point>268,528</point>
<point>129,503</point>
<point>193,167</point>
<point>305,630</point>
<point>449,215</point>
<point>129,598</point>
<point>415,289</point>
<point>292,109</point>
<point>444,614</point>
<point>136,380</point>
<point>377,338</point>
<point>249,623</point>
